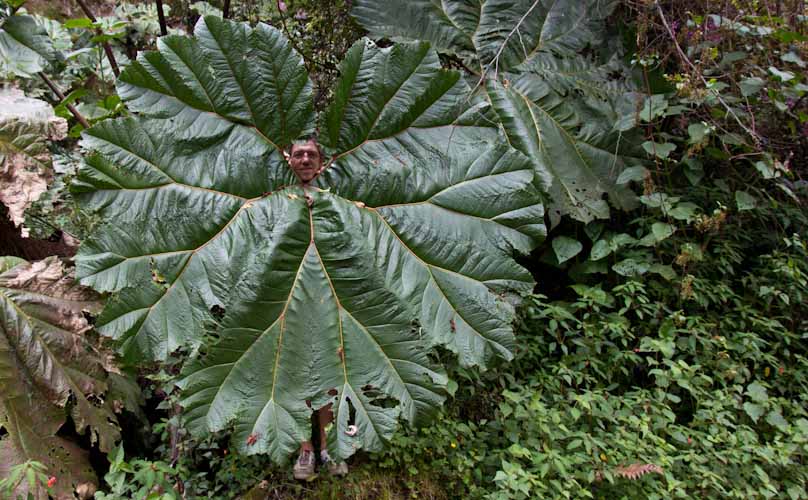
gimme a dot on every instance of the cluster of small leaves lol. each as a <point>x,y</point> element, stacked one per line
<point>32,473</point>
<point>70,55</point>
<point>744,65</point>
<point>137,478</point>
<point>708,392</point>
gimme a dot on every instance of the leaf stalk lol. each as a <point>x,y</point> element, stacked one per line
<point>107,49</point>
<point>61,96</point>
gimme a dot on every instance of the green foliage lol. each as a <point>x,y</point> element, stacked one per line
<point>32,473</point>
<point>663,352</point>
<point>535,74</point>
<point>50,369</point>
<point>322,32</point>
<point>141,479</point>
<point>670,361</point>
<point>709,389</point>
<point>370,281</point>
<point>25,47</point>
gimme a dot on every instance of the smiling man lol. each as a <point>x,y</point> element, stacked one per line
<point>306,160</point>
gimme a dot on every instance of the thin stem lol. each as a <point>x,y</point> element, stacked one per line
<point>226,9</point>
<point>306,58</point>
<point>684,58</point>
<point>495,60</point>
<point>107,49</point>
<point>162,18</point>
<point>61,97</point>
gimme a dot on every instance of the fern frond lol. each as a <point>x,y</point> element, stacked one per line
<point>636,471</point>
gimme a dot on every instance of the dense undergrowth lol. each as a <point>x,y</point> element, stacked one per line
<point>663,353</point>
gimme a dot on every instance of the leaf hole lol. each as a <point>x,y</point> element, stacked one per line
<point>217,311</point>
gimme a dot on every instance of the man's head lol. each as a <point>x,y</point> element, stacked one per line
<point>305,159</point>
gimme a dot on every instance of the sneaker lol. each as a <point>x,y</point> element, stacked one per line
<point>335,469</point>
<point>304,467</point>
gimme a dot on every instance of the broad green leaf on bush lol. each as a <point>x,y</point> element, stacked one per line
<point>572,153</point>
<point>631,267</point>
<point>636,174</point>
<point>660,150</point>
<point>751,86</point>
<point>25,47</point>
<point>58,34</point>
<point>757,393</point>
<point>775,418</point>
<point>566,248</point>
<point>745,201</point>
<point>754,411</point>
<point>46,361</point>
<point>660,231</point>
<point>25,163</point>
<point>328,293</point>
<point>784,76</point>
<point>504,33</point>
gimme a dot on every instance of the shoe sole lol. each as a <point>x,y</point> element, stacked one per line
<point>306,478</point>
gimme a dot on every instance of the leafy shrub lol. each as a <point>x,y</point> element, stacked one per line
<point>663,353</point>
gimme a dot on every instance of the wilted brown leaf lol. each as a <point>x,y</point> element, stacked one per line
<point>46,359</point>
<point>25,164</point>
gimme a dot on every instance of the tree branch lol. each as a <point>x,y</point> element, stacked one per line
<point>162,18</point>
<point>107,49</point>
<point>684,58</point>
<point>515,29</point>
<point>291,39</point>
<point>61,97</point>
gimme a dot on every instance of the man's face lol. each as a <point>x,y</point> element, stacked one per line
<point>305,160</point>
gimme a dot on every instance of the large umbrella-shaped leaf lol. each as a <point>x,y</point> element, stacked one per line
<point>47,364</point>
<point>297,296</point>
<point>488,34</point>
<point>554,104</point>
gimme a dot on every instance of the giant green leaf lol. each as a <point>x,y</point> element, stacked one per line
<point>294,296</point>
<point>555,104</point>
<point>577,158</point>
<point>495,34</point>
<point>47,365</point>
